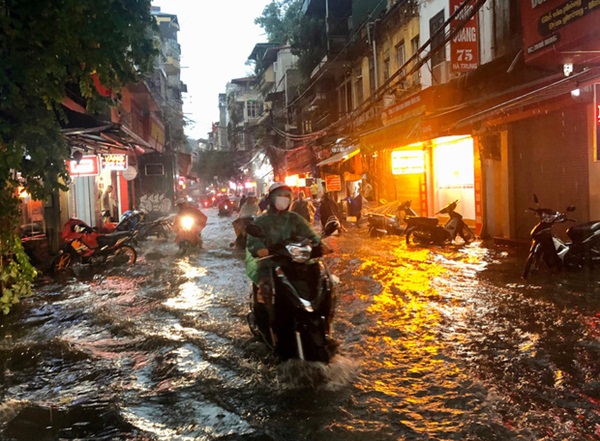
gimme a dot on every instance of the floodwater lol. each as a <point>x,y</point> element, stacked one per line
<point>435,344</point>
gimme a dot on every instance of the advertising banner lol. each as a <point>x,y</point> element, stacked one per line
<point>554,30</point>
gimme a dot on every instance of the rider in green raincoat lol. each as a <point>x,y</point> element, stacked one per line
<point>278,224</point>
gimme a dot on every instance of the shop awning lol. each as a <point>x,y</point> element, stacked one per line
<point>559,88</point>
<point>87,133</point>
<point>341,157</point>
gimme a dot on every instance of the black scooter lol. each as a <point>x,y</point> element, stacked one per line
<point>383,224</point>
<point>295,322</point>
<point>427,231</point>
<point>556,254</point>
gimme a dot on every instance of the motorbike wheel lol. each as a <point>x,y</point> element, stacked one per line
<point>412,239</point>
<point>376,233</point>
<point>531,263</point>
<point>126,252</point>
<point>467,235</point>
<point>62,262</point>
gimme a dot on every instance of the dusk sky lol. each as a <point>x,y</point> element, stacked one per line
<point>216,39</point>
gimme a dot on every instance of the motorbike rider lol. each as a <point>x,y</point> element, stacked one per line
<point>250,206</point>
<point>329,208</point>
<point>187,208</point>
<point>278,224</point>
<point>248,211</point>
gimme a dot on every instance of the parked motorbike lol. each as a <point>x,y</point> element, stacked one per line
<point>188,232</point>
<point>296,321</point>
<point>548,248</point>
<point>84,244</point>
<point>381,224</point>
<point>138,220</point>
<point>426,230</point>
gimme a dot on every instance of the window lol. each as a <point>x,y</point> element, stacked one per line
<point>386,69</point>
<point>400,54</point>
<point>386,65</point>
<point>155,170</point>
<point>372,79</point>
<point>358,86</point>
<point>252,109</point>
<point>345,97</point>
<point>437,41</point>
<point>415,44</point>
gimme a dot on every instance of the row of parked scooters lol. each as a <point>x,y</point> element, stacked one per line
<point>582,247</point>
<point>94,246</point>
<point>420,230</point>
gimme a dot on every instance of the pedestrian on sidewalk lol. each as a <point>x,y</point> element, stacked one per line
<point>107,204</point>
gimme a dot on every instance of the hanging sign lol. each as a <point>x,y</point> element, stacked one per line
<point>333,182</point>
<point>87,166</point>
<point>464,47</point>
<point>114,161</point>
<point>130,173</point>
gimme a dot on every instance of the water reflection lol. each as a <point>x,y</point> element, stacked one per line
<point>440,343</point>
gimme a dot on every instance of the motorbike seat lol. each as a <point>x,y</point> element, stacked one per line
<point>112,238</point>
<point>428,221</point>
<point>578,233</point>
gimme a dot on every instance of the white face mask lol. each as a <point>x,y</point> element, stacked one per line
<point>282,203</point>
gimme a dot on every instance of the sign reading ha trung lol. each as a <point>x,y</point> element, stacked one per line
<point>464,47</point>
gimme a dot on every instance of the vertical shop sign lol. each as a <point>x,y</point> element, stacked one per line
<point>464,47</point>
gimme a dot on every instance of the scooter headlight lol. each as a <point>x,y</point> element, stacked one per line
<point>299,253</point>
<point>187,222</point>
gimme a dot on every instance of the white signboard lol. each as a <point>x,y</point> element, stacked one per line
<point>405,162</point>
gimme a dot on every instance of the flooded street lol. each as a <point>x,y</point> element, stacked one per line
<point>435,344</point>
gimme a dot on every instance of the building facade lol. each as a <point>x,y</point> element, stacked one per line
<point>452,99</point>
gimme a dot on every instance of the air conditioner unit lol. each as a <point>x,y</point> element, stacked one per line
<point>441,73</point>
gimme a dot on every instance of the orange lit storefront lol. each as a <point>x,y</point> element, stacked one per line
<point>409,159</point>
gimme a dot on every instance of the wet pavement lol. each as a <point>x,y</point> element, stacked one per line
<point>435,344</point>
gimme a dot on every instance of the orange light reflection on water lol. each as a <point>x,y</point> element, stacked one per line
<point>406,347</point>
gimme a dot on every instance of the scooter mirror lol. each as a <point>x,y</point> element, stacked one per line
<point>254,230</point>
<point>571,208</point>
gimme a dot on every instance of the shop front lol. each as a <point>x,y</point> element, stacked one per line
<point>94,177</point>
<point>342,172</point>
<point>415,157</point>
<point>539,142</point>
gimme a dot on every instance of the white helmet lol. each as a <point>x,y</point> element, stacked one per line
<point>275,185</point>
